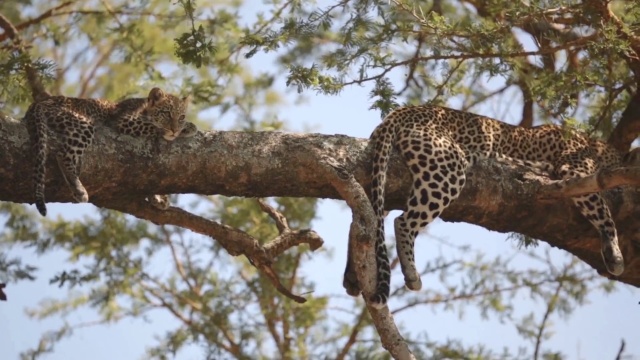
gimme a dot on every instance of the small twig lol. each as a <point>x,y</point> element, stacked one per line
<point>355,330</point>
<point>3,296</point>
<point>266,306</point>
<point>440,88</point>
<point>107,6</point>
<point>281,221</point>
<point>484,97</point>
<point>468,295</point>
<point>94,69</point>
<point>273,277</point>
<point>412,66</point>
<point>622,346</point>
<point>178,264</point>
<point>286,240</point>
<point>150,292</point>
<point>550,307</point>
<point>192,302</point>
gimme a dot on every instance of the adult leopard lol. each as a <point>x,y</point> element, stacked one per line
<point>439,144</point>
<point>67,125</point>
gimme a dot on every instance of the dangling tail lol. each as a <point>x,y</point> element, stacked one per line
<point>382,138</point>
<point>38,134</point>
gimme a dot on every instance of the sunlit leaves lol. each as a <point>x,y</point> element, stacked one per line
<point>12,71</point>
<point>194,47</point>
<point>304,78</point>
<point>384,96</point>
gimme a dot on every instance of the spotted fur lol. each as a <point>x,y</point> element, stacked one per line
<point>160,113</point>
<point>66,125</point>
<point>439,145</point>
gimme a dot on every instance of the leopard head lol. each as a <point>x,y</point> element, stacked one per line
<point>167,112</point>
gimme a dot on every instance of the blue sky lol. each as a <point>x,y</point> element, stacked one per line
<point>593,331</point>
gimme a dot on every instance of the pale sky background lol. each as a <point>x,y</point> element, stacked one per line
<point>593,331</point>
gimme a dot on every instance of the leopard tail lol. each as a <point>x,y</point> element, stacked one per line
<point>382,138</point>
<point>38,132</point>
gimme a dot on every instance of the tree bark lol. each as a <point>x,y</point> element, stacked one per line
<point>628,128</point>
<point>263,164</point>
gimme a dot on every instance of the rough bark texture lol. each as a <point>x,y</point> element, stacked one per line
<point>628,128</point>
<point>263,164</point>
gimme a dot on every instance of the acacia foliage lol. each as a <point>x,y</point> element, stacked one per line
<point>563,60</point>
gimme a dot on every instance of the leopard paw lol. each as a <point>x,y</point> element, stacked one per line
<point>80,194</point>
<point>189,130</point>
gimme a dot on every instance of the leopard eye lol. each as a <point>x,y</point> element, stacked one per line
<point>181,117</point>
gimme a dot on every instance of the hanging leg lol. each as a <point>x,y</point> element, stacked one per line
<point>438,178</point>
<point>594,209</point>
<point>69,156</point>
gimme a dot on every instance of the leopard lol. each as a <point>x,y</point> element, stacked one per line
<point>66,125</point>
<point>439,144</point>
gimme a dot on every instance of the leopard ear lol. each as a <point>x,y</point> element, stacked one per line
<point>186,99</point>
<point>155,95</point>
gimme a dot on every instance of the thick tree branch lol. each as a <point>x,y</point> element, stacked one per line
<point>262,164</point>
<point>628,127</point>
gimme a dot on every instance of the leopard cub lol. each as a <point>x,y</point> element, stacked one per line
<point>160,113</point>
<point>67,125</point>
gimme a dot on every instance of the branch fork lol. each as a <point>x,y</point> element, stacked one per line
<point>234,241</point>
